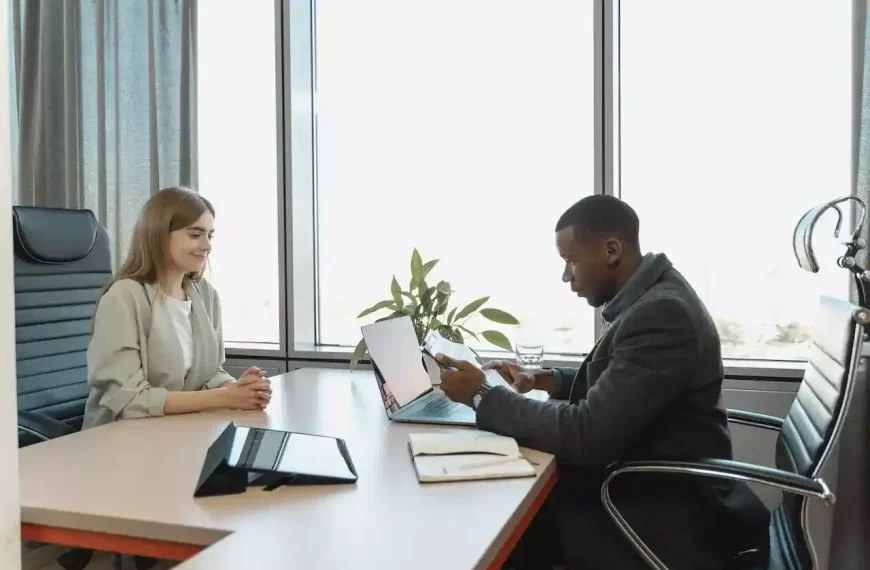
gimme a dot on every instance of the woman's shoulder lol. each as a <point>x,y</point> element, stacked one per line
<point>127,289</point>
<point>123,298</point>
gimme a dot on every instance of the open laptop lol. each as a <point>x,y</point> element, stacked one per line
<point>405,384</point>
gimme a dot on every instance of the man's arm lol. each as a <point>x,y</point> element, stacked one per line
<point>562,378</point>
<point>654,357</point>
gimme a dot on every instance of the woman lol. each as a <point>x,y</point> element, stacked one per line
<point>157,346</point>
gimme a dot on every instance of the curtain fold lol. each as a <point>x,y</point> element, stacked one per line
<point>104,105</point>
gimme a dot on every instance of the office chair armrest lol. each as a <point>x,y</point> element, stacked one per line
<point>715,468</point>
<point>41,427</point>
<point>762,421</point>
<point>733,470</point>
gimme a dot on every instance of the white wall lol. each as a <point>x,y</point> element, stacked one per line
<point>10,543</point>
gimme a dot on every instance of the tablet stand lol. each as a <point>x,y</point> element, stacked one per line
<point>218,477</point>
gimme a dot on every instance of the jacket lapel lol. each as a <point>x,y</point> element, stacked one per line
<point>204,340</point>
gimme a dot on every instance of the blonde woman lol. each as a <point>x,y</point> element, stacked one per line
<point>157,347</point>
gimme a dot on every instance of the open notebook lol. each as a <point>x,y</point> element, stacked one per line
<point>467,455</point>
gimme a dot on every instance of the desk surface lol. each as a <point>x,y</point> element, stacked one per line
<point>136,478</point>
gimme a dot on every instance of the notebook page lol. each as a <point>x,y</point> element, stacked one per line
<point>432,468</point>
<point>463,442</point>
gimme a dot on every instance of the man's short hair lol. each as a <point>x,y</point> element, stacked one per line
<point>602,216</point>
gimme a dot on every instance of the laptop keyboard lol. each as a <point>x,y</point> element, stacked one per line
<point>439,407</point>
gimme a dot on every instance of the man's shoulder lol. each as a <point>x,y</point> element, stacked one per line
<point>674,293</point>
<point>671,304</point>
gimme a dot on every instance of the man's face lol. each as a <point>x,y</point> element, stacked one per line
<point>589,264</point>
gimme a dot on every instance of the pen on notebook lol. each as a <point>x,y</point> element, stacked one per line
<point>490,462</point>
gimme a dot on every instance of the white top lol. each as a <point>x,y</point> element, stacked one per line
<point>179,311</point>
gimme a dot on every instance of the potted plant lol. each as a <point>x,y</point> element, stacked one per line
<point>429,309</point>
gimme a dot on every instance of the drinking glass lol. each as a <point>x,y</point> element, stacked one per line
<point>529,355</point>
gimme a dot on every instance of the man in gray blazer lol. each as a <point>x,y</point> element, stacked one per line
<point>650,388</point>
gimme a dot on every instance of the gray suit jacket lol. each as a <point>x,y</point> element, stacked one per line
<point>649,389</point>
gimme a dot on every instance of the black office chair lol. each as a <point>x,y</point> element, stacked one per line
<point>809,432</point>
<point>807,436</point>
<point>62,261</point>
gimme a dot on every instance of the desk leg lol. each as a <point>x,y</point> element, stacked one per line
<point>110,542</point>
<point>523,524</point>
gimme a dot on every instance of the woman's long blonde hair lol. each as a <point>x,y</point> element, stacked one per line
<point>168,210</point>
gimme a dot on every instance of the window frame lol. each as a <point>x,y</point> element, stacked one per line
<point>297,196</point>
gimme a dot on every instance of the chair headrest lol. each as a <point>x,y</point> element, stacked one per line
<point>802,238</point>
<point>53,235</point>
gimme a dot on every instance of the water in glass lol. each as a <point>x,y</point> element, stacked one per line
<point>530,355</point>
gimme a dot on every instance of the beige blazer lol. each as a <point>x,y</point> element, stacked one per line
<point>135,358</point>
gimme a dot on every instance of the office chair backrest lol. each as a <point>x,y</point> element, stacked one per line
<point>813,423</point>
<point>62,261</point>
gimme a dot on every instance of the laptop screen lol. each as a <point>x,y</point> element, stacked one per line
<point>395,351</point>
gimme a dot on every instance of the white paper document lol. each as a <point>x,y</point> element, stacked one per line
<point>436,344</point>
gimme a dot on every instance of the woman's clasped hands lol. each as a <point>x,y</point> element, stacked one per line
<point>252,391</point>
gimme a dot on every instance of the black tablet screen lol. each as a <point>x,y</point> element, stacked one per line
<point>286,452</point>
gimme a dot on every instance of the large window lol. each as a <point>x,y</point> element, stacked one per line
<point>462,128</point>
<point>735,119</point>
<point>238,168</point>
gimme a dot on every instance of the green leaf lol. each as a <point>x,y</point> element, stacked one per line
<point>426,297</point>
<point>397,293</point>
<point>450,333</point>
<point>409,295</point>
<point>499,316</point>
<point>442,297</point>
<point>427,267</point>
<point>471,334</point>
<point>358,353</point>
<point>416,266</point>
<point>498,339</point>
<point>471,307</point>
<point>451,315</point>
<point>435,324</point>
<point>376,307</point>
<point>441,307</point>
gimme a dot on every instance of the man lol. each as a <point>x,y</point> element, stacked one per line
<point>650,388</point>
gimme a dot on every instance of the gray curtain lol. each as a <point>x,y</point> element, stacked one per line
<point>104,105</point>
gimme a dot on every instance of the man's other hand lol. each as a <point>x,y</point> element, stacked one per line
<point>516,376</point>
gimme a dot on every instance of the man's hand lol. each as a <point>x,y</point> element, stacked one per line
<point>514,375</point>
<point>461,383</point>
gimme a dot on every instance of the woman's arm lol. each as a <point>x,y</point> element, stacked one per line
<point>187,402</point>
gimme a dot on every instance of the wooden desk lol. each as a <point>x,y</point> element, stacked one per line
<point>128,487</point>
